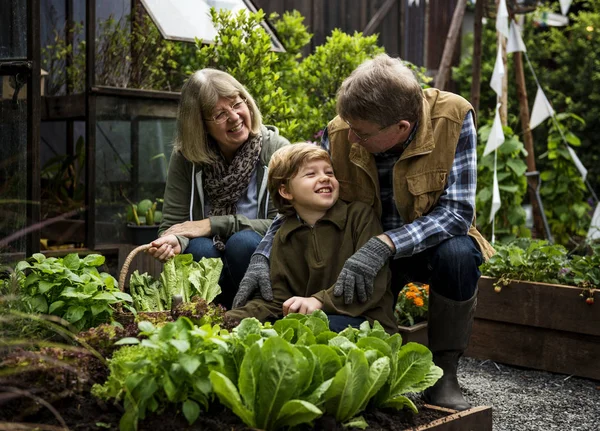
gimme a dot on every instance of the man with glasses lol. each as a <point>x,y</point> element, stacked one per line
<point>411,155</point>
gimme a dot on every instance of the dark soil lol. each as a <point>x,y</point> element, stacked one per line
<point>83,412</point>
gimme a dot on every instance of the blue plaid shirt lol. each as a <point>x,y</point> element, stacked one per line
<point>452,216</point>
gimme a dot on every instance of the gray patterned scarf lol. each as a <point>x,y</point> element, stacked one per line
<point>224,183</point>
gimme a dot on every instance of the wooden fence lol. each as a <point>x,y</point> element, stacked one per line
<point>416,33</point>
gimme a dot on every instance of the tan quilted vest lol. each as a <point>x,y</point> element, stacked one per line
<point>421,172</point>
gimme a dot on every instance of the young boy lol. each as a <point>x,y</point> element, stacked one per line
<point>309,250</point>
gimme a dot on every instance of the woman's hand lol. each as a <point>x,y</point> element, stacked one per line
<point>164,248</point>
<point>191,229</point>
<point>302,305</point>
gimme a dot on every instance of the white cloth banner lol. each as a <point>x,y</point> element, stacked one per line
<point>495,196</point>
<point>502,18</point>
<point>564,6</point>
<point>498,74</point>
<point>541,109</point>
<point>515,42</point>
<point>496,137</point>
<point>594,230</point>
<point>582,170</point>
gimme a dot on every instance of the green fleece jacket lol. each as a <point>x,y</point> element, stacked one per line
<point>306,261</point>
<point>179,202</point>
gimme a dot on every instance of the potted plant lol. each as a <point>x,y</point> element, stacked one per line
<point>143,220</point>
<point>536,308</point>
<point>411,312</point>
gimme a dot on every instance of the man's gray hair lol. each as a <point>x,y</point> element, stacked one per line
<point>381,90</point>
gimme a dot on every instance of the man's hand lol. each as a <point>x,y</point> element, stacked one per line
<point>258,276</point>
<point>301,304</point>
<point>164,248</point>
<point>360,271</point>
<point>191,229</point>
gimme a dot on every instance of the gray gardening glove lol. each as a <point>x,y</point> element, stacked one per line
<point>360,270</point>
<point>258,276</point>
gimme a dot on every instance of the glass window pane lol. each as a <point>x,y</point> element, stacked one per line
<point>62,183</point>
<point>13,171</point>
<point>127,126</point>
<point>13,29</point>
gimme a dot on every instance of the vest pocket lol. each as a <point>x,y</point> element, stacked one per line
<point>426,188</point>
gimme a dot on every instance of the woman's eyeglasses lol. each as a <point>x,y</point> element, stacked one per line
<point>223,116</point>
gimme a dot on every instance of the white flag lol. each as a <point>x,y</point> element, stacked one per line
<point>594,230</point>
<point>496,137</point>
<point>498,74</point>
<point>515,42</point>
<point>495,196</point>
<point>541,109</point>
<point>582,170</point>
<point>502,18</point>
<point>564,6</point>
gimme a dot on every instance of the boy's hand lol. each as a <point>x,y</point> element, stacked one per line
<point>360,271</point>
<point>301,304</point>
<point>258,276</point>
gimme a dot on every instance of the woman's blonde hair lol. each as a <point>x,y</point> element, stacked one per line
<point>381,90</point>
<point>199,96</point>
<point>285,164</point>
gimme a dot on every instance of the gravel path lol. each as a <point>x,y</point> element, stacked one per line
<point>529,400</point>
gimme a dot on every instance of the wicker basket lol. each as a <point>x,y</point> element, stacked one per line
<point>121,316</point>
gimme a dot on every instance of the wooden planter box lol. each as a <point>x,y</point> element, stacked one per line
<point>416,333</point>
<point>476,418</point>
<point>537,325</point>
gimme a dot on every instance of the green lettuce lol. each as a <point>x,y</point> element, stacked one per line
<point>273,376</point>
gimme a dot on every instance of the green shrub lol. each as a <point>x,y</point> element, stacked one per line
<point>563,191</point>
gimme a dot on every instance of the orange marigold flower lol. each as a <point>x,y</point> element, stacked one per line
<point>419,302</point>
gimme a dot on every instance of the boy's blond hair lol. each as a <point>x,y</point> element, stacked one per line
<point>285,164</point>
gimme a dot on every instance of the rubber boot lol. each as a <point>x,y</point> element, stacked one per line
<point>449,329</point>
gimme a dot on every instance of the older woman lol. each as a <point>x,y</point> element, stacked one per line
<point>216,202</point>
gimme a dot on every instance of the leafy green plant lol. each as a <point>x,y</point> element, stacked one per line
<point>71,288</point>
<point>563,191</point>
<point>539,261</point>
<point>182,276</point>
<point>272,377</point>
<point>171,365</point>
<point>510,218</point>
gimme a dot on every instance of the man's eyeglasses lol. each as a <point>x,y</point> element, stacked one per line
<point>223,116</point>
<point>362,138</point>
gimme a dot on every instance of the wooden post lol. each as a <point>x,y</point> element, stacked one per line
<point>477,40</point>
<point>504,98</point>
<point>532,181</point>
<point>444,70</point>
<point>377,19</point>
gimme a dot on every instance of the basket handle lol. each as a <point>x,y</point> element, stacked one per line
<point>128,260</point>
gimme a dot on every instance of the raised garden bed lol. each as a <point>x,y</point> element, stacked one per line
<point>537,325</point>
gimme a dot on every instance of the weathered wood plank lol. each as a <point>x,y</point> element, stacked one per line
<point>534,347</point>
<point>539,305</point>
<point>474,419</point>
